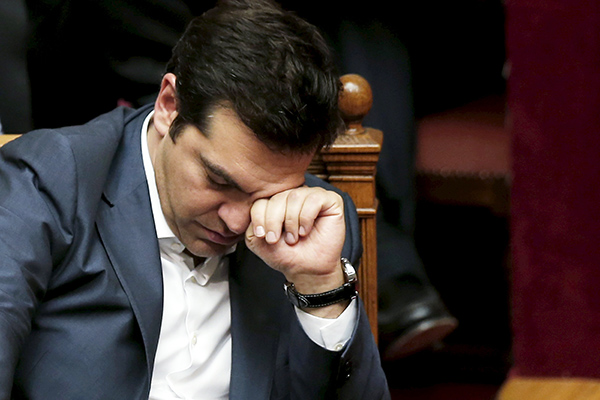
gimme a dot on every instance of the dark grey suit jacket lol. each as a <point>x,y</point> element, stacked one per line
<point>81,285</point>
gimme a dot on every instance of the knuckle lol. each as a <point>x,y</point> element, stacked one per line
<point>290,220</point>
<point>258,205</point>
<point>294,195</point>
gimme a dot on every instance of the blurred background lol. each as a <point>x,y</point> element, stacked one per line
<point>489,168</point>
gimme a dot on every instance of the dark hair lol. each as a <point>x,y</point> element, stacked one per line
<point>271,67</point>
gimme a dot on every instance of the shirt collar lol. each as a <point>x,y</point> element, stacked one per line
<point>160,223</point>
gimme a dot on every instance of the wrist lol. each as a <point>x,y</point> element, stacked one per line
<point>331,292</point>
<point>310,283</point>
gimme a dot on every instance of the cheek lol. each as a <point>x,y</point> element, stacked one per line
<point>194,196</point>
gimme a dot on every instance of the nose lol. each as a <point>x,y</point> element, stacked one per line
<point>236,215</point>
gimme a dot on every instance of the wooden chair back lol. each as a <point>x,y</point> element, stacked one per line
<point>350,164</point>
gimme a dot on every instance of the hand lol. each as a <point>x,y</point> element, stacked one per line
<point>300,232</point>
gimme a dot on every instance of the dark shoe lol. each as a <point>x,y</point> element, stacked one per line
<point>411,318</point>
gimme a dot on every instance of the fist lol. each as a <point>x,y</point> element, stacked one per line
<point>300,232</point>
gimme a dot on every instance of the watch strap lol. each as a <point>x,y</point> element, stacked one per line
<point>345,292</point>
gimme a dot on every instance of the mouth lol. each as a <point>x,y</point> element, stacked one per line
<point>222,239</point>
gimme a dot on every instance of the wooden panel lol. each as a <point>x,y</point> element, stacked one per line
<point>550,389</point>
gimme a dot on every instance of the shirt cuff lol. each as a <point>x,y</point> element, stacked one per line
<point>331,334</point>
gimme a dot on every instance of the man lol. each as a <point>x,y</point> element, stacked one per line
<point>144,254</point>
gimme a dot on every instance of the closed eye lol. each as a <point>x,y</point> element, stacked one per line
<point>217,182</point>
<point>218,177</point>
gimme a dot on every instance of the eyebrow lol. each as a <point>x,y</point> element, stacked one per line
<point>220,172</point>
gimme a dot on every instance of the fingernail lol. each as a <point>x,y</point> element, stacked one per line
<point>271,238</point>
<point>259,231</point>
<point>289,238</point>
<point>302,231</point>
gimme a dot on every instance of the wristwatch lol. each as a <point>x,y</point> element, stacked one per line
<point>345,292</point>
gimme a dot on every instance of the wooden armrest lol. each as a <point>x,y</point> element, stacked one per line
<point>7,138</point>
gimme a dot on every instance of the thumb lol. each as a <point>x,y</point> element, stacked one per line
<point>252,240</point>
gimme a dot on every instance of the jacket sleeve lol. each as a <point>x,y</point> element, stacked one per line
<point>37,201</point>
<point>355,372</point>
<point>359,373</point>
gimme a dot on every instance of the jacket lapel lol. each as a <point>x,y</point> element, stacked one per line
<point>257,309</point>
<point>127,231</point>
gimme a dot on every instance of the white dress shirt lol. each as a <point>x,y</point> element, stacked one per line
<point>193,358</point>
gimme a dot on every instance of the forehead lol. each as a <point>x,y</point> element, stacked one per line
<point>235,149</point>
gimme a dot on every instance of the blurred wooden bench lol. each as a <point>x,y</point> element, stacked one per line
<point>350,165</point>
<point>463,156</point>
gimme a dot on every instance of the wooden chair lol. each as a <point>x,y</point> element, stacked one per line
<point>349,164</point>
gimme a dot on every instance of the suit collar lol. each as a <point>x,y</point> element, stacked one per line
<point>127,170</point>
<point>126,228</point>
<point>162,228</point>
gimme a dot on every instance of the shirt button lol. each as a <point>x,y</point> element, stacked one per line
<point>194,340</point>
<point>338,347</point>
<point>176,246</point>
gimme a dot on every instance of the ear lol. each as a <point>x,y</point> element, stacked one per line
<point>165,107</point>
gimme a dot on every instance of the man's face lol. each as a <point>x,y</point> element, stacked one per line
<point>207,183</point>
